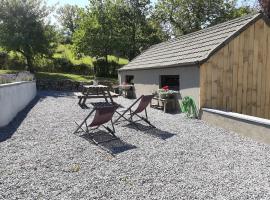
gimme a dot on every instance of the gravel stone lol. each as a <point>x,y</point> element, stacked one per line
<point>41,158</point>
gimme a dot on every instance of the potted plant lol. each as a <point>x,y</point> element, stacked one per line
<point>165,93</point>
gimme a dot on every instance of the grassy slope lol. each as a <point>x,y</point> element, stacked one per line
<point>8,71</point>
<point>65,51</point>
<point>54,76</point>
<point>59,76</point>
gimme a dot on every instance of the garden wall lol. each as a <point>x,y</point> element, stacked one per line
<point>13,98</point>
<point>248,126</point>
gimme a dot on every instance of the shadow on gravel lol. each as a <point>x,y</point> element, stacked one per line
<point>154,132</point>
<point>55,94</point>
<point>114,147</point>
<point>7,131</point>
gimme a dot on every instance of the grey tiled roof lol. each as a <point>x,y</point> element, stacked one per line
<point>191,48</point>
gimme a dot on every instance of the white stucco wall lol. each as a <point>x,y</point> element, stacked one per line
<point>147,81</point>
<point>13,98</point>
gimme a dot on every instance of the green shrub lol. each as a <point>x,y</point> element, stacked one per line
<point>16,61</point>
<point>62,65</point>
<point>3,60</point>
<point>102,68</point>
<point>83,69</point>
<point>44,64</point>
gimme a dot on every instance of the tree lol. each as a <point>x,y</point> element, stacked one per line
<point>68,16</point>
<point>265,6</point>
<point>122,27</point>
<point>95,35</point>
<point>184,16</point>
<point>137,28</point>
<point>23,29</point>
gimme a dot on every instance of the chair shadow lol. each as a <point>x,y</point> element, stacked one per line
<point>154,132</point>
<point>112,146</point>
<point>7,131</point>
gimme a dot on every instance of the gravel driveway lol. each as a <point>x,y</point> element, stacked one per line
<point>40,158</point>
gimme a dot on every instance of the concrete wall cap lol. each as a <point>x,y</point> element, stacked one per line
<point>239,116</point>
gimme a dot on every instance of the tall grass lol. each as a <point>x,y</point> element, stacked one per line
<point>65,51</point>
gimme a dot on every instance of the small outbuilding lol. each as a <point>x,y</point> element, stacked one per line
<point>225,67</point>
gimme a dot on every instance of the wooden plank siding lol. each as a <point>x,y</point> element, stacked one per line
<point>267,104</point>
<point>237,77</point>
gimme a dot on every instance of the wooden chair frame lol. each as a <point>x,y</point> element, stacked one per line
<point>141,107</point>
<point>88,127</point>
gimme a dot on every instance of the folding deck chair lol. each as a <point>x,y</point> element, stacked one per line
<point>103,114</point>
<point>143,102</point>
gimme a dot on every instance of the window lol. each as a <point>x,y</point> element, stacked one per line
<point>170,80</point>
<point>129,79</point>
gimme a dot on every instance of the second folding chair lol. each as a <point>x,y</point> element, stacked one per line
<point>129,113</point>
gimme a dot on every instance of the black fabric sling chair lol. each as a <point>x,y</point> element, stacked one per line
<point>142,102</point>
<point>103,114</point>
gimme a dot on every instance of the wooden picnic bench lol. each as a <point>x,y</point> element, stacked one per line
<point>96,91</point>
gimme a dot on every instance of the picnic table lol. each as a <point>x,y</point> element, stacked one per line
<point>96,91</point>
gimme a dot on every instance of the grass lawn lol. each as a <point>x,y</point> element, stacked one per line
<point>59,76</point>
<point>8,71</point>
<point>54,76</point>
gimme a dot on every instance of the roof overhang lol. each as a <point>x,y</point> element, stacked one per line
<point>190,64</point>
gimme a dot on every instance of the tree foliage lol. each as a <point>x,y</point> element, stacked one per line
<point>95,36</point>
<point>184,16</point>
<point>23,28</point>
<point>137,28</point>
<point>68,16</point>
<point>121,27</point>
